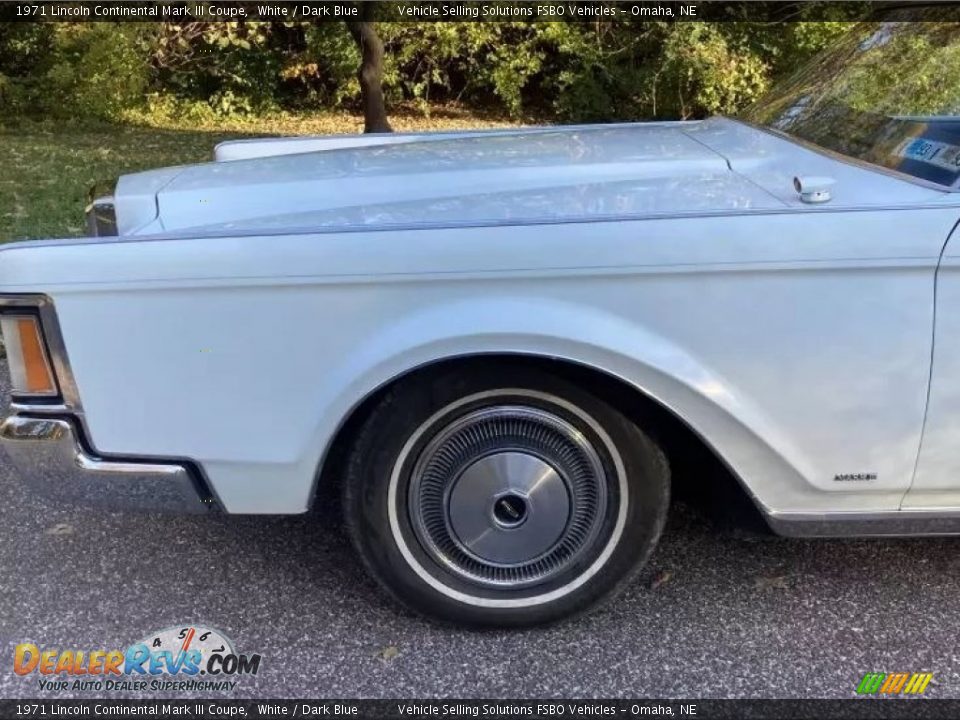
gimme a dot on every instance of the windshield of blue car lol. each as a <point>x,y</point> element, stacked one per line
<point>888,93</point>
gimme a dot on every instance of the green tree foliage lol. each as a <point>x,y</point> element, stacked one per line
<point>72,70</point>
<point>566,71</point>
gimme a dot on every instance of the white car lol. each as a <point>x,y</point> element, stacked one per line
<point>482,336</point>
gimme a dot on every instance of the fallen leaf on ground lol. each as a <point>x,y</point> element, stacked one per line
<point>777,582</point>
<point>660,578</point>
<point>388,653</point>
<point>60,529</point>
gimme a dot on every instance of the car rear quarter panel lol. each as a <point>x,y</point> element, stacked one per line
<point>797,345</point>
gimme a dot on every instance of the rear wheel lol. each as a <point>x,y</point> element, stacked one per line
<point>500,495</point>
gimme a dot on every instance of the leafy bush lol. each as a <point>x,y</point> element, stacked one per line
<point>99,71</point>
<point>567,71</point>
<point>706,71</point>
<point>93,70</point>
<point>234,67</point>
<point>597,71</point>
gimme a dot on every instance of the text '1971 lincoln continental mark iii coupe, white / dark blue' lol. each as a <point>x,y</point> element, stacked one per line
<point>481,337</point>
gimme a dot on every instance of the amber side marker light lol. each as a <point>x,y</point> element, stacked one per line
<point>30,372</point>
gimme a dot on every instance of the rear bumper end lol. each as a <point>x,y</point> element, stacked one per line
<point>50,456</point>
<point>101,218</point>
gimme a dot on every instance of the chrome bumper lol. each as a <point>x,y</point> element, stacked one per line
<point>49,455</point>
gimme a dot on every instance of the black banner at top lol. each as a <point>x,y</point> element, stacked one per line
<point>438,10</point>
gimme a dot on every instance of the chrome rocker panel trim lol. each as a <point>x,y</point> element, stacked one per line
<point>50,457</point>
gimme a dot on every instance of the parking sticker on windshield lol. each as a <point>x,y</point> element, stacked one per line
<point>931,152</point>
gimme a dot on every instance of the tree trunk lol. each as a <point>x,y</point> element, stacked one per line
<point>371,70</point>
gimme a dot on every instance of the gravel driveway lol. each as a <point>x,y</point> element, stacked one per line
<point>718,613</point>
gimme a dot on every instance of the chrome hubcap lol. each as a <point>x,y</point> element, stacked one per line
<point>509,495</point>
<point>527,507</point>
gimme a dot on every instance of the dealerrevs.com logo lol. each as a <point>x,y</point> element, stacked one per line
<point>189,658</point>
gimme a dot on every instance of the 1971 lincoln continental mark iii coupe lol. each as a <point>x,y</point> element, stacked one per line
<point>480,336</point>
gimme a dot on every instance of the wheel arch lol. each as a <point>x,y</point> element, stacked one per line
<point>684,445</point>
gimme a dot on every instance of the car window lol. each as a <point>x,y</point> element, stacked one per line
<point>888,93</point>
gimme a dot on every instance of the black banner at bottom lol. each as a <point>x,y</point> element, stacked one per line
<point>550,709</point>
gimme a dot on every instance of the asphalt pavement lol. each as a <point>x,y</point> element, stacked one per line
<point>718,612</point>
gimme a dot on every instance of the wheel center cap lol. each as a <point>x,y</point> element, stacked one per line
<point>510,510</point>
<point>508,507</point>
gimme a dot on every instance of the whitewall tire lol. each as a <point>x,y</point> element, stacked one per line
<point>496,494</point>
